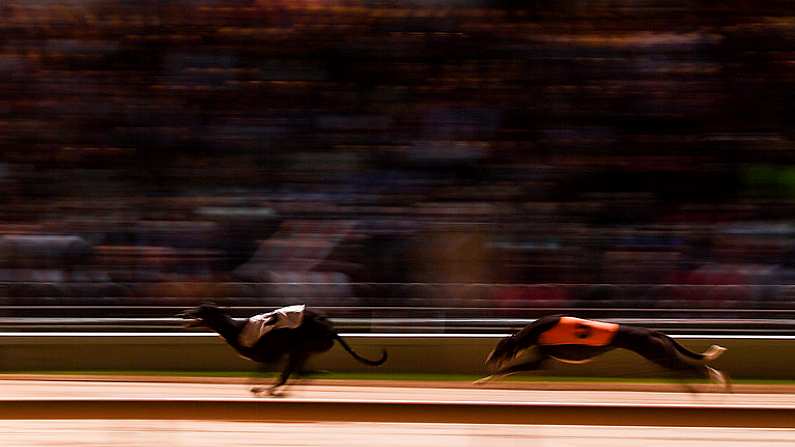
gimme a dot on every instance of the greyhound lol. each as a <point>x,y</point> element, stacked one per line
<point>574,340</point>
<point>314,335</point>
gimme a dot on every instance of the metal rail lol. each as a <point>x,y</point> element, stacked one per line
<point>764,309</point>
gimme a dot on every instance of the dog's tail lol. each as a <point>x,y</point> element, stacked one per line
<point>358,357</point>
<point>710,354</point>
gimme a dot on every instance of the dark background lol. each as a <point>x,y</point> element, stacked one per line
<point>174,148</point>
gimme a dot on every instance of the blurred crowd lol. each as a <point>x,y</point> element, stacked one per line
<point>328,150</point>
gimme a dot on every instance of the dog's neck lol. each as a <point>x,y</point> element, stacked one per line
<point>228,328</point>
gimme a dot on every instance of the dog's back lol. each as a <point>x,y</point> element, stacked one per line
<point>577,331</point>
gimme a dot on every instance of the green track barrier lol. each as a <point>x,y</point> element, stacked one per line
<point>746,358</point>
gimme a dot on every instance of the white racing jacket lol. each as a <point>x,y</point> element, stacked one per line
<point>289,317</point>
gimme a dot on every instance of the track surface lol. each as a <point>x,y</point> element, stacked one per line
<point>136,433</point>
<point>32,389</point>
<point>166,433</point>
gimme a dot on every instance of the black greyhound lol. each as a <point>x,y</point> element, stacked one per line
<point>573,340</point>
<point>315,335</point>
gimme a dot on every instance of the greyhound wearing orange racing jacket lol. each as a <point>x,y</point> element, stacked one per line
<point>574,340</point>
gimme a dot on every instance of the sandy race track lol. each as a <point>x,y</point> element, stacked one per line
<point>141,433</point>
<point>35,389</point>
<point>143,427</point>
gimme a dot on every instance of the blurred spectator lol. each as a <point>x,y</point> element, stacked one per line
<point>464,142</point>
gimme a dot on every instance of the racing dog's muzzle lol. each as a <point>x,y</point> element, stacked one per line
<point>191,316</point>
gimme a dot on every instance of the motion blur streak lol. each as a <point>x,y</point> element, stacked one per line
<point>134,433</point>
<point>164,149</point>
<point>444,159</point>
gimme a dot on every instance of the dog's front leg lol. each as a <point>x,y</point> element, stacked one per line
<point>485,380</point>
<point>257,377</point>
<point>295,362</point>
<point>511,370</point>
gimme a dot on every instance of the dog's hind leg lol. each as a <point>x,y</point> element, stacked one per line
<point>690,372</point>
<point>683,377</point>
<point>716,377</point>
<point>720,378</point>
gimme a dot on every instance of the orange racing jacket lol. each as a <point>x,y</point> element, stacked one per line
<point>576,331</point>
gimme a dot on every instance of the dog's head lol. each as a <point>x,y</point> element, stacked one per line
<point>203,315</point>
<point>504,352</point>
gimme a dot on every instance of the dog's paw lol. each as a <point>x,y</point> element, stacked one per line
<point>276,391</point>
<point>714,352</point>
<point>720,379</point>
<point>483,380</point>
<point>257,390</point>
